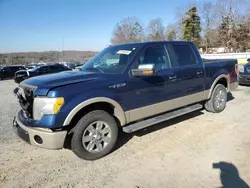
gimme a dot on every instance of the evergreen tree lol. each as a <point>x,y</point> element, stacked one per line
<point>191,26</point>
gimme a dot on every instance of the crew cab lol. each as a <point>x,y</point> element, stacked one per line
<point>128,87</point>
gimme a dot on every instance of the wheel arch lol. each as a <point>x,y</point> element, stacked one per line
<point>223,79</point>
<point>117,111</point>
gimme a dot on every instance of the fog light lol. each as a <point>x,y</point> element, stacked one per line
<point>38,139</point>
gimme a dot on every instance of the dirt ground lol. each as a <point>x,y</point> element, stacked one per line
<point>196,150</point>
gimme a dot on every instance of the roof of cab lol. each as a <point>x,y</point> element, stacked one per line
<point>152,43</point>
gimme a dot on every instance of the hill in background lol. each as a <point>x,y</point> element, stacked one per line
<point>49,56</point>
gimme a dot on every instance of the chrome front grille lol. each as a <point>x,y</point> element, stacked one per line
<point>25,95</point>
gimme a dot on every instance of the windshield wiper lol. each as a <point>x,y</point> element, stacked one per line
<point>93,69</point>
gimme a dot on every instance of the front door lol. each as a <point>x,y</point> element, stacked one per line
<point>147,95</point>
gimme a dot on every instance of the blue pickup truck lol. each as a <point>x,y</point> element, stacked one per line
<point>125,87</point>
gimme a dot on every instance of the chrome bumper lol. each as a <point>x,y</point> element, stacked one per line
<point>40,137</point>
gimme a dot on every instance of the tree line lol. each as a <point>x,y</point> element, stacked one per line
<point>225,23</point>
<point>22,58</point>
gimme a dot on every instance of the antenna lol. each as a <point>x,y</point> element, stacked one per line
<point>62,45</point>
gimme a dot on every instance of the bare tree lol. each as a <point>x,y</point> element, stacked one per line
<point>207,16</point>
<point>128,30</point>
<point>155,30</point>
<point>242,35</point>
<point>171,32</point>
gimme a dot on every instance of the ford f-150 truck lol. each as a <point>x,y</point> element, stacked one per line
<point>127,87</point>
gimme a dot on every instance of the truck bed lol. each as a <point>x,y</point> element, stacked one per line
<point>213,64</point>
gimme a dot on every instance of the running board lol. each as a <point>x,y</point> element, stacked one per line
<point>158,119</point>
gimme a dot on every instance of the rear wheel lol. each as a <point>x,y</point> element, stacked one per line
<point>95,135</point>
<point>218,100</point>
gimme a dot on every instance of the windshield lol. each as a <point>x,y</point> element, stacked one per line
<point>111,60</point>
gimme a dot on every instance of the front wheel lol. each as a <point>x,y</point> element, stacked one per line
<point>95,135</point>
<point>217,102</point>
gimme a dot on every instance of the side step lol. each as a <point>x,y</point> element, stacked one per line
<point>163,117</point>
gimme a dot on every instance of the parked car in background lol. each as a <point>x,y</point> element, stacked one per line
<point>70,65</point>
<point>9,71</point>
<point>127,87</point>
<point>79,65</point>
<point>39,70</point>
<point>30,66</point>
<point>244,76</point>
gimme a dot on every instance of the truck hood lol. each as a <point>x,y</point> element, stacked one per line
<point>47,82</point>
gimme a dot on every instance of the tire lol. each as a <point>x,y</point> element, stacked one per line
<point>84,136</point>
<point>218,100</point>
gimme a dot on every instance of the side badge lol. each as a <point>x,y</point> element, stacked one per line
<point>118,85</point>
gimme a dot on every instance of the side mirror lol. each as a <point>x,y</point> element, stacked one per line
<point>144,70</point>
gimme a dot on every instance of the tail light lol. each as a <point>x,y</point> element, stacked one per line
<point>237,69</point>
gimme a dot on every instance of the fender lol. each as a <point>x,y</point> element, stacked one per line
<point>209,93</point>
<point>118,111</point>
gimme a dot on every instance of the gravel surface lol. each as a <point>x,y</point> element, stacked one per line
<point>176,153</point>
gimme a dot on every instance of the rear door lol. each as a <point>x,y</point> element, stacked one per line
<point>190,72</point>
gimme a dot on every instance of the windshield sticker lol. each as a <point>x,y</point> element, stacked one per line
<point>125,52</point>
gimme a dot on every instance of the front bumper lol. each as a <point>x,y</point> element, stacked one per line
<point>244,79</point>
<point>41,137</point>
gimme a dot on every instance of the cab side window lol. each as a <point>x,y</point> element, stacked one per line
<point>6,69</point>
<point>184,55</point>
<point>43,69</point>
<point>55,68</point>
<point>156,55</point>
<point>14,69</point>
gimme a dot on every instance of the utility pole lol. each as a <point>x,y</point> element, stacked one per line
<point>62,46</point>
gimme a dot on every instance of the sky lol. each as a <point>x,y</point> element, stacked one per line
<point>43,25</point>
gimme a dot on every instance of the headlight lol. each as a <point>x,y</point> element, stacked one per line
<point>43,105</point>
<point>241,68</point>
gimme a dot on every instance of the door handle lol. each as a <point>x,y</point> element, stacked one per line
<point>199,73</point>
<point>172,78</point>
